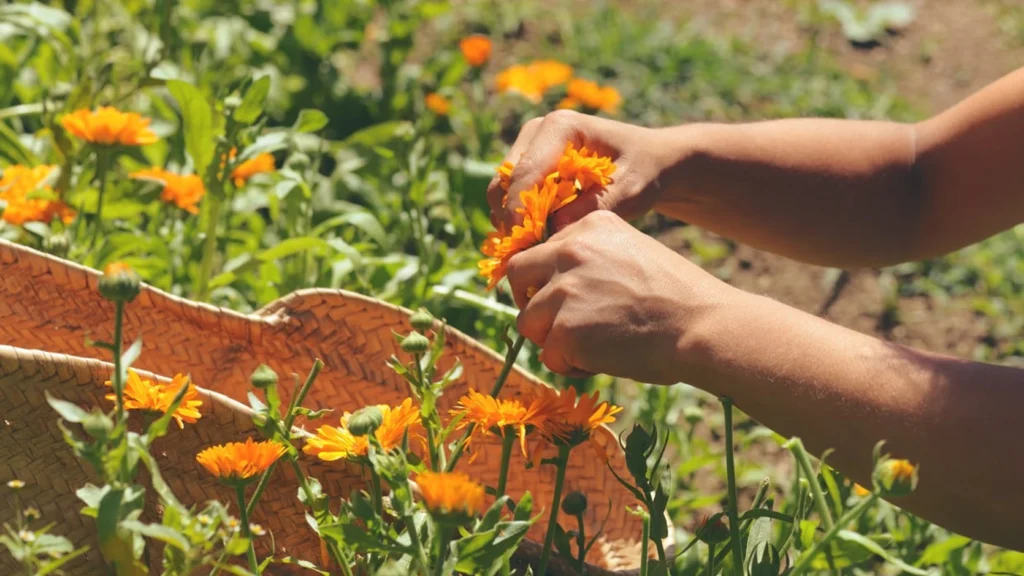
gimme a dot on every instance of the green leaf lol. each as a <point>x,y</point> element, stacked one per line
<point>310,120</point>
<point>291,247</point>
<point>12,150</point>
<point>109,514</point>
<point>253,101</point>
<point>760,535</point>
<point>875,548</point>
<point>807,529</point>
<point>92,495</point>
<point>129,357</point>
<point>158,532</point>
<point>197,115</point>
<point>478,553</point>
<point>53,565</point>
<point>939,552</point>
<point>67,410</point>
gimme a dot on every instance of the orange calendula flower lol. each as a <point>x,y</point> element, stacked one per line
<point>28,199</point>
<point>579,172</point>
<point>437,104</point>
<point>533,80</point>
<point>140,394</point>
<point>450,493</point>
<point>334,443</point>
<point>476,49</point>
<point>183,190</point>
<point>571,420</point>
<point>109,126</point>
<point>490,415</point>
<point>259,164</point>
<point>591,95</point>
<point>240,461</point>
<point>860,490</point>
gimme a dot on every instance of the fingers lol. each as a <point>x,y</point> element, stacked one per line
<point>541,156</point>
<point>531,270</point>
<point>536,319</point>
<point>495,193</point>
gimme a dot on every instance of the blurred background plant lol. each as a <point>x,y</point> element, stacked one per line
<point>347,145</point>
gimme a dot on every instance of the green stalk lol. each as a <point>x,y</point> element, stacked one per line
<point>796,446</point>
<point>711,559</point>
<point>116,347</point>
<point>506,455</point>
<point>510,360</point>
<point>102,168</point>
<point>251,551</point>
<point>730,465</point>
<point>645,538</point>
<point>852,515</point>
<point>444,535</point>
<point>549,538</point>
<point>421,554</point>
<point>209,248</point>
<point>581,543</point>
<point>378,498</point>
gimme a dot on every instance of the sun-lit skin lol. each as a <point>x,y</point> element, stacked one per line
<point>335,442</point>
<point>146,395</point>
<point>27,200</point>
<point>450,493</point>
<point>109,126</point>
<point>240,461</point>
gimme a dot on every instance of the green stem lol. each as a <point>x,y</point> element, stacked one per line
<point>796,446</point>
<point>730,466</point>
<point>510,360</point>
<point>444,535</point>
<point>378,498</point>
<point>251,551</point>
<point>116,347</point>
<point>506,455</point>
<point>645,538</point>
<point>852,515</point>
<point>209,248</point>
<point>711,559</point>
<point>421,554</point>
<point>581,543</point>
<point>556,501</point>
<point>102,168</point>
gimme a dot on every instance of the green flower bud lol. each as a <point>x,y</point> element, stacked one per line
<point>895,478</point>
<point>574,503</point>
<point>415,343</point>
<point>57,244</point>
<point>711,530</point>
<point>365,421</point>
<point>119,283</point>
<point>693,414</point>
<point>765,560</point>
<point>422,320</point>
<point>263,377</point>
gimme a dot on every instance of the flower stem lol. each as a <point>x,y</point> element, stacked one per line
<point>378,499</point>
<point>711,559</point>
<point>506,455</point>
<point>116,346</point>
<point>209,248</point>
<point>444,538</point>
<point>796,446</point>
<point>421,554</point>
<point>251,551</point>
<point>730,466</point>
<point>556,501</point>
<point>102,167</point>
<point>510,360</point>
<point>851,515</point>
<point>645,538</point>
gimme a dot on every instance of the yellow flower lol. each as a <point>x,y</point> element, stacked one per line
<point>333,443</point>
<point>27,200</point>
<point>240,461</point>
<point>860,490</point>
<point>450,493</point>
<point>109,126</point>
<point>579,172</point>
<point>490,415</point>
<point>146,395</point>
<point>182,190</point>
<point>437,104</point>
<point>476,49</point>
<point>533,80</point>
<point>260,164</point>
<point>591,95</point>
<point>570,421</point>
<point>15,484</point>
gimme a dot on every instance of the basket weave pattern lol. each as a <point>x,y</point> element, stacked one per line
<point>50,307</point>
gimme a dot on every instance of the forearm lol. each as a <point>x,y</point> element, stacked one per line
<point>829,192</point>
<point>839,389</point>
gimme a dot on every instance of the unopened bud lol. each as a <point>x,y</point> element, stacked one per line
<point>422,320</point>
<point>365,421</point>
<point>119,283</point>
<point>895,478</point>
<point>574,503</point>
<point>263,377</point>
<point>415,343</point>
<point>765,560</point>
<point>693,414</point>
<point>711,530</point>
<point>57,244</point>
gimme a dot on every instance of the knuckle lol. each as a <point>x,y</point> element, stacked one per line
<point>532,124</point>
<point>572,252</point>
<point>562,117</point>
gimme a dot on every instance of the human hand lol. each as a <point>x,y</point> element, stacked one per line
<point>609,299</point>
<point>634,150</point>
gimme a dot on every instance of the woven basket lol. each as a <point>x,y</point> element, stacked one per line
<point>49,308</point>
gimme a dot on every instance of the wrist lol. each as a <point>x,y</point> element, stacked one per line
<point>708,338</point>
<point>677,151</point>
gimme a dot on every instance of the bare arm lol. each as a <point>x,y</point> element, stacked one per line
<point>855,193</point>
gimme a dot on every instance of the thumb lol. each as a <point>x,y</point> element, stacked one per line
<point>541,157</point>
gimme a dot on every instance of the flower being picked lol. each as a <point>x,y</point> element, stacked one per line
<point>579,171</point>
<point>146,395</point>
<point>450,494</point>
<point>236,462</point>
<point>336,442</point>
<point>490,415</point>
<point>571,421</point>
<point>183,190</point>
<point>109,126</point>
<point>28,199</point>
